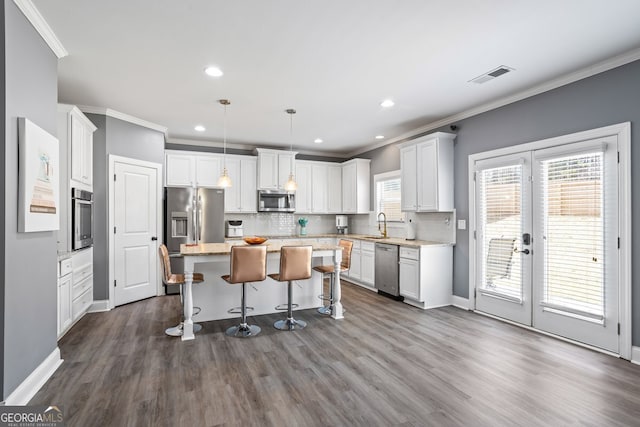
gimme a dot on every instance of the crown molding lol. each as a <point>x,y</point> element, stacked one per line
<point>33,15</point>
<point>124,117</point>
<point>566,79</point>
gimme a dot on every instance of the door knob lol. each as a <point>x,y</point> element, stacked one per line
<point>154,238</point>
<point>524,251</point>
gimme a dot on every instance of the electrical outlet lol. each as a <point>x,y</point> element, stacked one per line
<point>462,224</point>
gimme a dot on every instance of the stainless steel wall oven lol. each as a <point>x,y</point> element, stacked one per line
<point>81,218</point>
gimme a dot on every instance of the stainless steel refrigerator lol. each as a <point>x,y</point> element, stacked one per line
<point>191,215</point>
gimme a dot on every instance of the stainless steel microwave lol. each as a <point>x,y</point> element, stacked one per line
<point>81,218</point>
<point>276,201</point>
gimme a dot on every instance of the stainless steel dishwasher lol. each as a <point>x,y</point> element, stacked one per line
<point>387,275</point>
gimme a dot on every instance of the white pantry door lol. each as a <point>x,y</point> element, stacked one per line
<point>135,221</point>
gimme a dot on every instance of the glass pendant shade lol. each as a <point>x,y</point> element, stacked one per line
<point>225,180</point>
<point>291,185</point>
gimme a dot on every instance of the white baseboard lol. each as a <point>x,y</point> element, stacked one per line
<point>635,355</point>
<point>99,306</point>
<point>30,386</point>
<point>460,302</point>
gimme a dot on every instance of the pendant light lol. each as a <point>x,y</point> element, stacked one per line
<point>225,180</point>
<point>291,185</point>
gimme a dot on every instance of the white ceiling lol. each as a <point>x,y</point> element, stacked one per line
<point>333,61</point>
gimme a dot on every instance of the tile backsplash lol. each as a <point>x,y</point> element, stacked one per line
<point>283,224</point>
<point>433,226</point>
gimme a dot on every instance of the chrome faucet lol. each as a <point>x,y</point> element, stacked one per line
<point>384,218</point>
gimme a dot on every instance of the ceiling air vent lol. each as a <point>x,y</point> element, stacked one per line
<point>496,72</point>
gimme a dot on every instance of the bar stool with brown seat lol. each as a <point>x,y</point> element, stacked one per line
<point>346,245</point>
<point>169,278</point>
<point>295,264</point>
<point>248,264</point>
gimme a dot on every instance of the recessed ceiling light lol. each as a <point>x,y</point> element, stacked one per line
<point>387,103</point>
<point>318,141</point>
<point>200,128</point>
<point>379,136</point>
<point>213,71</point>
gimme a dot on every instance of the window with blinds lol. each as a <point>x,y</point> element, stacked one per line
<point>388,198</point>
<point>500,222</point>
<point>573,228</point>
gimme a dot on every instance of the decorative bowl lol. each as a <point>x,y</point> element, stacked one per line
<point>255,240</point>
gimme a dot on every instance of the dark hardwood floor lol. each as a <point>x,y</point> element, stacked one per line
<point>385,364</point>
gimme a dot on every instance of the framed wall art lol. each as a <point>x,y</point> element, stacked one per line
<point>39,179</point>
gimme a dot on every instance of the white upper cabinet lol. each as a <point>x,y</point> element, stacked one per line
<point>334,188</point>
<point>311,196</point>
<point>305,187</point>
<point>79,131</point>
<point>188,169</point>
<point>274,167</point>
<point>427,173</point>
<point>241,197</point>
<point>208,170</point>
<point>355,186</point>
<point>409,178</point>
<point>180,170</point>
<point>319,193</point>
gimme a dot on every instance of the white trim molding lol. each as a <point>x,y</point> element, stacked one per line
<point>460,302</point>
<point>566,79</point>
<point>36,19</point>
<point>30,386</point>
<point>124,117</point>
<point>635,355</point>
<point>99,306</point>
<point>622,131</point>
<point>111,218</point>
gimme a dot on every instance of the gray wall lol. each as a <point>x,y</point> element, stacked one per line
<point>202,149</point>
<point>30,258</point>
<point>607,98</point>
<point>2,194</point>
<point>120,138</point>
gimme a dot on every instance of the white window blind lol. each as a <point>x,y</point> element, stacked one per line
<point>573,227</point>
<point>500,223</point>
<point>388,198</point>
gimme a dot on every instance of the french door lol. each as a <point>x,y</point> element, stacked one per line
<point>547,240</point>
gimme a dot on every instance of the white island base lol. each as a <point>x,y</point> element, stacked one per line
<point>215,297</point>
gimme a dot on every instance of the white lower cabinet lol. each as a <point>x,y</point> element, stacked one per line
<point>426,275</point>
<point>75,288</point>
<point>410,273</point>
<point>82,290</point>
<point>64,296</point>
<point>367,263</point>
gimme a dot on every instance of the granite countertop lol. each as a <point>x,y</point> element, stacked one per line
<point>366,237</point>
<point>225,248</point>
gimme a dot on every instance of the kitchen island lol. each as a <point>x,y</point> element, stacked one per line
<point>215,297</point>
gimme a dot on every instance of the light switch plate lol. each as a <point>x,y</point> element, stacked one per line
<point>462,224</point>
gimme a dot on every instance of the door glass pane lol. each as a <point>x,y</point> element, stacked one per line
<point>573,215</point>
<point>501,228</point>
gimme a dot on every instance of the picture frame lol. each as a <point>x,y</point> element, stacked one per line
<point>39,179</point>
